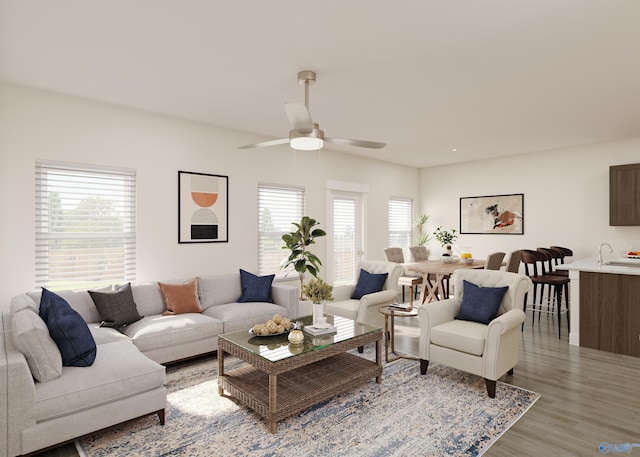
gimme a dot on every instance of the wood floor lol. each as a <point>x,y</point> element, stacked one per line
<point>589,397</point>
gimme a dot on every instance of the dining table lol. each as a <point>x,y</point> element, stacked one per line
<point>434,273</point>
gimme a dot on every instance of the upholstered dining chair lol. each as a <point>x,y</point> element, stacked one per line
<point>477,331</point>
<point>494,261</point>
<point>364,309</point>
<point>411,281</point>
<point>513,264</point>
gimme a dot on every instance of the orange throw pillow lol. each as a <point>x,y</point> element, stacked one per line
<point>181,298</point>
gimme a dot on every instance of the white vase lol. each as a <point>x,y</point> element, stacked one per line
<point>318,312</point>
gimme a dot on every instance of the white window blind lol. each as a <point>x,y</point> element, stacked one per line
<point>344,246</point>
<point>278,207</point>
<point>85,226</point>
<point>401,224</point>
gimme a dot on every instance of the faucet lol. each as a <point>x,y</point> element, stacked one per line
<point>600,252</point>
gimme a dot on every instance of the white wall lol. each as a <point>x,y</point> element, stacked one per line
<point>566,198</point>
<point>41,125</point>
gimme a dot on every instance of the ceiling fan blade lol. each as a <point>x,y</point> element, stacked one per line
<point>299,117</point>
<point>265,143</point>
<point>359,143</point>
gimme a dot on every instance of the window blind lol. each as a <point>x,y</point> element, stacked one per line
<point>401,224</point>
<point>278,207</point>
<point>85,226</point>
<point>344,245</point>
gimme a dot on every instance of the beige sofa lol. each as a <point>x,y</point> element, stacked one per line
<point>126,378</point>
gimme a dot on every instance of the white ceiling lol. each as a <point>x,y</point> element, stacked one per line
<point>488,77</point>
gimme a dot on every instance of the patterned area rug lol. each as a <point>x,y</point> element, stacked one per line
<point>444,413</point>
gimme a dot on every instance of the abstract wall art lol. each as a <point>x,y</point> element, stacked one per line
<point>203,208</point>
<point>492,214</point>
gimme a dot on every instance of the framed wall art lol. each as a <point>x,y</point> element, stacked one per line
<point>492,214</point>
<point>203,208</point>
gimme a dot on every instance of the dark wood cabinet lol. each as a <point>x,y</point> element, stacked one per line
<point>610,312</point>
<point>624,194</point>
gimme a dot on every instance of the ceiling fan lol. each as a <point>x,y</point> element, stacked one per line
<point>306,134</point>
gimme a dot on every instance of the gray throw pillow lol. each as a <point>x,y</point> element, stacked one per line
<point>116,308</point>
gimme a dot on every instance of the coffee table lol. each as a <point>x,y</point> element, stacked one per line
<point>281,379</point>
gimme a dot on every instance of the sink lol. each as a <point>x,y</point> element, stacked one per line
<point>623,263</point>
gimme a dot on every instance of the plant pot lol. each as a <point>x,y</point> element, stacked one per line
<point>318,312</point>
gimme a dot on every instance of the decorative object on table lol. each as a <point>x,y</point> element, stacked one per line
<point>492,214</point>
<point>326,329</point>
<point>466,258</point>
<point>296,337</point>
<point>422,237</point>
<point>300,257</point>
<point>446,239</point>
<point>203,208</point>
<point>319,292</point>
<point>278,325</point>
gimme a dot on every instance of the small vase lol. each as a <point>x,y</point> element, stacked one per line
<point>318,313</point>
<point>448,255</point>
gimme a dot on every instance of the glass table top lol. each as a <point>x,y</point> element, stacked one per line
<point>274,348</point>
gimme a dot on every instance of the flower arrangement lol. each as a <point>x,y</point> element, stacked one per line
<point>444,237</point>
<point>317,290</point>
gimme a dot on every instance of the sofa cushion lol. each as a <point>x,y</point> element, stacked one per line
<point>344,308</point>
<point>148,298</point>
<point>31,337</point>
<point>102,335</point>
<point>116,308</point>
<point>219,289</point>
<point>119,371</point>
<point>480,304</point>
<point>237,316</point>
<point>255,288</point>
<point>181,298</point>
<point>68,330</point>
<point>464,336</point>
<point>369,283</point>
<point>155,332</point>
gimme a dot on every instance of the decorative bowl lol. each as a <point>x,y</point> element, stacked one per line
<point>296,336</point>
<point>466,261</point>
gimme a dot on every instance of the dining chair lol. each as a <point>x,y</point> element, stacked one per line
<point>535,267</point>
<point>395,255</point>
<point>494,261</point>
<point>419,254</point>
<point>513,264</point>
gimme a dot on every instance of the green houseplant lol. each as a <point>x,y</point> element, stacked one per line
<point>422,237</point>
<point>297,242</point>
<point>444,237</point>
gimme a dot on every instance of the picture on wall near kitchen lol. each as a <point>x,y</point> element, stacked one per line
<point>492,214</point>
<point>203,208</point>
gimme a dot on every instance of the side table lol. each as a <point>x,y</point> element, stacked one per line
<point>390,313</point>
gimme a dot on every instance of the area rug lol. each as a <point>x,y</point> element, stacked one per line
<point>444,413</point>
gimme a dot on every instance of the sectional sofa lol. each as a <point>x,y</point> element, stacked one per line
<point>126,379</point>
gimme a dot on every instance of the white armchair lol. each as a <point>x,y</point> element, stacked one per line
<point>365,309</point>
<point>485,350</point>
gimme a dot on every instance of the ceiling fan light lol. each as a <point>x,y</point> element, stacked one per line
<point>305,143</point>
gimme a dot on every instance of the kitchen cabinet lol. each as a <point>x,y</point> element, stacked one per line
<point>610,312</point>
<point>624,194</point>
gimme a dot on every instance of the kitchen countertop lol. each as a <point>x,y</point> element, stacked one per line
<point>591,264</point>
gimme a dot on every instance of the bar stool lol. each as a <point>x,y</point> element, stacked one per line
<point>534,265</point>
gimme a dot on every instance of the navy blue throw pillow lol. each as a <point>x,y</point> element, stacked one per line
<point>369,283</point>
<point>480,304</point>
<point>255,288</point>
<point>68,329</point>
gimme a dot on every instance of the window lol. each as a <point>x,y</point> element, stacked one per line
<point>400,224</point>
<point>85,226</point>
<point>278,207</point>
<point>345,239</point>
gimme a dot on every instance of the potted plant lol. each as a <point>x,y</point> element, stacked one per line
<point>318,290</point>
<point>446,239</point>
<point>421,237</point>
<point>298,242</point>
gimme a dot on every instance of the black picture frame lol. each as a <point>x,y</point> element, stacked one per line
<point>492,215</point>
<point>203,208</point>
